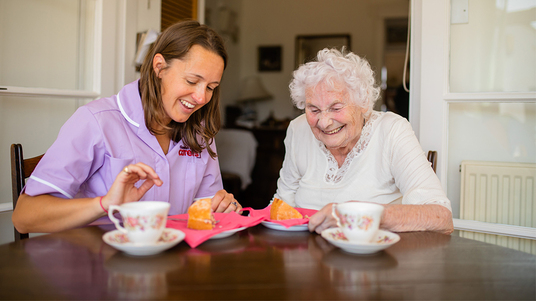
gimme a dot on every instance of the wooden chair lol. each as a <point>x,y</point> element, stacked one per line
<point>20,170</point>
<point>432,157</point>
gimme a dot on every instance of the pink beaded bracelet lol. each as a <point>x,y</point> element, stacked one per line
<point>100,202</point>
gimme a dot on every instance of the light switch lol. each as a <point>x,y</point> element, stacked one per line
<point>459,11</point>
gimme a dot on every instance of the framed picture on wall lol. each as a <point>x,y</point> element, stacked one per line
<point>396,33</point>
<point>307,46</point>
<point>270,58</point>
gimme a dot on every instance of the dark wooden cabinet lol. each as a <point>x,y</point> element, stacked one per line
<point>268,162</point>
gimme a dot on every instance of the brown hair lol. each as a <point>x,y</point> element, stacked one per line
<point>174,43</point>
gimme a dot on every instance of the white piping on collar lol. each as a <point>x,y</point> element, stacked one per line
<point>125,114</point>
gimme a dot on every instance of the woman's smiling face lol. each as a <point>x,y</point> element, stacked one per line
<point>188,83</point>
<point>334,119</point>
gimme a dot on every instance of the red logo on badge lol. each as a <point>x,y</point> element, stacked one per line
<point>189,153</point>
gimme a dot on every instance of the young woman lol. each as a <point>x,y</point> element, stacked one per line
<point>151,141</point>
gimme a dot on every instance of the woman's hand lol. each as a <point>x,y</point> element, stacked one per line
<point>225,202</point>
<point>123,189</point>
<point>322,220</point>
<point>47,213</point>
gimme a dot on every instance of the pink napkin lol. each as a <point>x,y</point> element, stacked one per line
<point>265,213</point>
<point>227,221</point>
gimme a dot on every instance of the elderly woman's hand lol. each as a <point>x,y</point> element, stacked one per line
<point>322,220</point>
<point>225,202</point>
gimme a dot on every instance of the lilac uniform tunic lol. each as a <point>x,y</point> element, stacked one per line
<point>107,134</point>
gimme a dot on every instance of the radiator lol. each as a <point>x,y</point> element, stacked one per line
<point>501,193</point>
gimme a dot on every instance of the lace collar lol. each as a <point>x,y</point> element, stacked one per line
<point>334,174</point>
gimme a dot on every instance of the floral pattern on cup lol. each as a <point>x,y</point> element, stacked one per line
<point>363,222</point>
<point>384,240</point>
<point>141,222</point>
<point>122,238</point>
<point>338,235</point>
<point>167,236</point>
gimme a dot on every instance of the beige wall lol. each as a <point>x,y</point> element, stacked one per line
<point>278,22</point>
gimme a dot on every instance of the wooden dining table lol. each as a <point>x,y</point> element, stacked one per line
<point>264,264</point>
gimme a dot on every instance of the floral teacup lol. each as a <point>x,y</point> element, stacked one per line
<point>143,222</point>
<point>358,221</point>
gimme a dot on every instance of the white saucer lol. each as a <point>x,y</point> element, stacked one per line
<point>227,233</point>
<point>280,227</point>
<point>383,240</point>
<point>120,241</point>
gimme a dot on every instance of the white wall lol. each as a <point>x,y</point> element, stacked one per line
<point>499,132</point>
<point>45,115</point>
<point>141,16</point>
<point>34,55</point>
<point>495,51</point>
<point>231,76</point>
<point>501,59</point>
<point>278,22</point>
<point>468,117</point>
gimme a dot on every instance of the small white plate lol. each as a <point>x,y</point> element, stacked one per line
<point>280,227</point>
<point>227,233</point>
<point>117,239</point>
<point>383,240</point>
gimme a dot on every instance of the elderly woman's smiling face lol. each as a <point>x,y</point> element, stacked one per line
<point>334,119</point>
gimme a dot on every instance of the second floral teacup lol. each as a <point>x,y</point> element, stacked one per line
<point>358,221</point>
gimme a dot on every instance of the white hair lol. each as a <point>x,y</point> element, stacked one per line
<point>334,67</point>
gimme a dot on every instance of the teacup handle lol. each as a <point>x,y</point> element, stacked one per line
<point>117,223</point>
<point>334,213</point>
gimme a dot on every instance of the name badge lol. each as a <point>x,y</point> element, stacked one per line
<point>185,151</point>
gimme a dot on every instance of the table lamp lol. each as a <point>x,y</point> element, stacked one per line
<point>252,90</point>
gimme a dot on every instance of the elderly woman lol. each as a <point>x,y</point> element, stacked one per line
<point>341,150</point>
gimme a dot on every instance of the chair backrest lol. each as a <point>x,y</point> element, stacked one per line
<point>20,170</point>
<point>432,158</point>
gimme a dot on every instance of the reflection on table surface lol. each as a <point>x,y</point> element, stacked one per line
<point>260,263</point>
